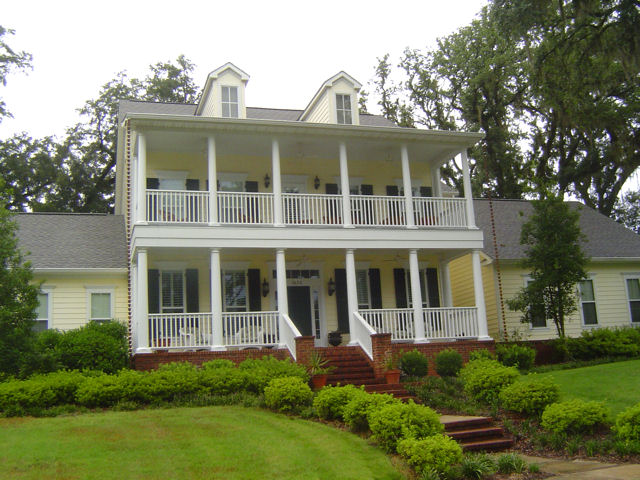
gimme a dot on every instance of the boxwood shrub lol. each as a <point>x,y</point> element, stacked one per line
<point>516,356</point>
<point>331,401</point>
<point>484,379</point>
<point>414,364</point>
<point>435,453</point>
<point>627,425</point>
<point>574,416</point>
<point>356,412</point>
<point>448,363</point>
<point>287,394</point>
<point>530,396</point>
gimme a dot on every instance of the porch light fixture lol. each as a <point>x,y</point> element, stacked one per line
<point>332,287</point>
<point>265,288</point>
<point>316,182</point>
<point>267,181</point>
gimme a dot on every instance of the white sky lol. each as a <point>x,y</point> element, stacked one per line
<point>287,47</point>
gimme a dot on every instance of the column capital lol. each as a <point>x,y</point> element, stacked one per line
<point>215,250</point>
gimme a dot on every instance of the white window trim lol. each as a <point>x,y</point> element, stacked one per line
<point>353,182</point>
<point>527,279</point>
<point>112,300</point>
<point>48,290</point>
<point>184,283</point>
<point>351,107</point>
<point>590,277</point>
<point>232,176</point>
<point>367,283</point>
<point>246,284</point>
<point>630,276</point>
<point>222,102</point>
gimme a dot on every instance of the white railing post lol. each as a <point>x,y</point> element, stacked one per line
<point>416,297</point>
<point>281,285</point>
<point>483,331</point>
<point>217,331</point>
<point>445,282</point>
<point>468,193</point>
<point>406,182</point>
<point>344,185</point>
<point>277,184</point>
<point>213,181</point>
<point>142,303</point>
<point>352,292</point>
<point>142,179</point>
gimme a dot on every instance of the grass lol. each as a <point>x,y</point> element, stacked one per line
<point>185,443</point>
<point>616,384</point>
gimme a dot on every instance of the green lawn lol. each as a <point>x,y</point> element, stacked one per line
<point>185,443</point>
<point>617,384</point>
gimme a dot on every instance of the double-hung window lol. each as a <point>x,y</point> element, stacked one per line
<point>43,311</point>
<point>172,287</point>
<point>538,319</point>
<point>362,288</point>
<point>343,109</point>
<point>230,102</point>
<point>423,288</point>
<point>588,302</point>
<point>100,304</point>
<point>234,286</point>
<point>633,294</point>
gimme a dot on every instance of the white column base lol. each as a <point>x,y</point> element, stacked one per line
<point>143,350</point>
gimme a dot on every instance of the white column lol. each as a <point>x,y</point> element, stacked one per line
<point>281,287</point>
<point>213,181</point>
<point>277,184</point>
<point>134,307</point>
<point>344,185</point>
<point>142,303</point>
<point>478,289</point>
<point>352,289</point>
<point>445,282</point>
<point>217,340</point>
<point>468,194</point>
<point>416,297</point>
<point>142,179</point>
<point>406,182</point>
<point>436,184</point>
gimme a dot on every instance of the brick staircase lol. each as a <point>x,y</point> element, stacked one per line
<point>476,433</point>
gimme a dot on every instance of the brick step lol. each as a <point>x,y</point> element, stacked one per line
<point>347,361</point>
<point>355,378</point>
<point>357,383</point>
<point>487,432</point>
<point>467,424</point>
<point>384,386</point>
<point>488,445</point>
<point>350,369</point>
<point>476,433</point>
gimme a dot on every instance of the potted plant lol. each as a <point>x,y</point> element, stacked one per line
<point>392,372</point>
<point>318,370</point>
<point>335,338</point>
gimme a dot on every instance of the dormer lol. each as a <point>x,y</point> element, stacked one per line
<point>223,93</point>
<point>335,102</point>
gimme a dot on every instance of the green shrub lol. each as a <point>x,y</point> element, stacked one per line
<point>574,416</point>
<point>174,379</point>
<point>477,466</point>
<point>224,381</point>
<point>481,354</point>
<point>414,364</point>
<point>356,412</point>
<point>393,422</point>
<point>448,363</point>
<point>435,453</point>
<point>330,401</point>
<point>508,463</point>
<point>218,363</point>
<point>287,394</point>
<point>516,356</point>
<point>263,370</point>
<point>627,425</point>
<point>604,342</point>
<point>484,379</point>
<point>530,396</point>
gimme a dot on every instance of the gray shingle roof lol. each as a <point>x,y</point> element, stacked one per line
<point>605,237</point>
<point>72,240</point>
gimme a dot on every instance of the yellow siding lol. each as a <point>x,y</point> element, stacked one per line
<point>320,111</point>
<point>70,301</point>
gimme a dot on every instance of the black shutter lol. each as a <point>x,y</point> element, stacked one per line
<point>152,203</point>
<point>250,186</point>
<point>374,288</point>
<point>251,212</point>
<point>153,290</point>
<point>366,189</point>
<point>432,287</point>
<point>399,281</point>
<point>426,192</point>
<point>193,305</point>
<point>153,183</point>
<point>341,300</point>
<point>255,297</point>
<point>392,190</point>
<point>193,184</point>
<point>331,188</point>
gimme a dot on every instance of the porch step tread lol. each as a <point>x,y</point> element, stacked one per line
<point>466,424</point>
<point>498,444</point>
<point>476,433</point>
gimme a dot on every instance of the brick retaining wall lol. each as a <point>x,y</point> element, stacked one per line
<point>150,361</point>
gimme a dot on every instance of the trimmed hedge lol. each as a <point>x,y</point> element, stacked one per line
<point>330,402</point>
<point>484,379</point>
<point>530,396</point>
<point>356,412</point>
<point>574,416</point>
<point>603,342</point>
<point>414,364</point>
<point>516,356</point>
<point>435,453</point>
<point>448,363</point>
<point>287,394</point>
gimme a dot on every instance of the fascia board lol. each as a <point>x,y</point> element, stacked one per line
<point>77,271</point>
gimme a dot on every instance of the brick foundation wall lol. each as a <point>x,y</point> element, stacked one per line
<point>304,347</point>
<point>381,350</point>
<point>150,361</point>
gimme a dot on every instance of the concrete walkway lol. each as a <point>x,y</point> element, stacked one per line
<point>585,469</point>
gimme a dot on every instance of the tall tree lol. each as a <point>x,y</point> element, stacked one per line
<point>10,60</point>
<point>627,211</point>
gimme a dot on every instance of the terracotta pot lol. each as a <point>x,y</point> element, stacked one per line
<point>319,381</point>
<point>392,376</point>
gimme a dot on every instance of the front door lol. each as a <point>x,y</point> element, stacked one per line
<point>300,308</point>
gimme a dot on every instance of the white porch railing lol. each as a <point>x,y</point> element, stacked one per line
<point>179,330</point>
<point>288,334</point>
<point>311,209</point>
<point>442,323</point>
<point>245,208</point>
<point>177,206</point>
<point>440,212</point>
<point>361,334</point>
<point>377,211</point>
<point>241,329</point>
<point>397,321</point>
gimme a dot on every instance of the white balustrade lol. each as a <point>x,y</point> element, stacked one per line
<point>245,208</point>
<point>177,206</point>
<point>311,209</point>
<point>444,323</point>
<point>361,334</point>
<point>377,211</point>
<point>397,321</point>
<point>440,212</point>
<point>288,334</point>
<point>250,328</point>
<point>179,330</point>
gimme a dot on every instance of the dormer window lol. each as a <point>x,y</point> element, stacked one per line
<point>343,109</point>
<point>230,102</point>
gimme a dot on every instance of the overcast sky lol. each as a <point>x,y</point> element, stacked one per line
<point>287,47</point>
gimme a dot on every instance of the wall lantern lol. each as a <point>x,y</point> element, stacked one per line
<point>332,287</point>
<point>265,288</point>
<point>267,181</point>
<point>316,183</point>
